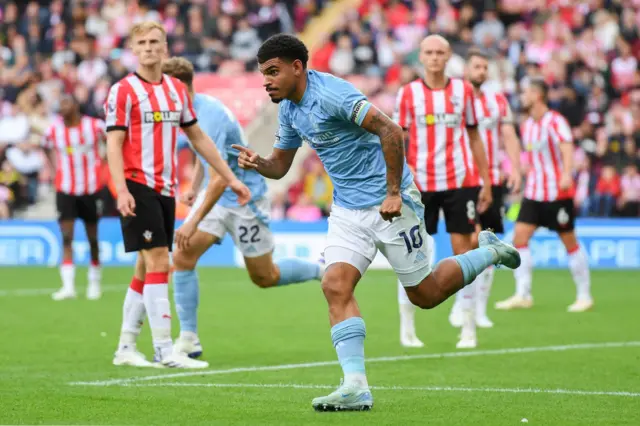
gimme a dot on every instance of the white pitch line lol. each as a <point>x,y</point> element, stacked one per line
<point>559,348</point>
<point>395,388</point>
<point>26,292</point>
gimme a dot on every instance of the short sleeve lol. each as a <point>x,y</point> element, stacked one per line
<point>346,102</point>
<point>188,117</point>
<point>469,106</point>
<point>562,129</point>
<point>118,108</point>
<point>402,110</point>
<point>286,137</point>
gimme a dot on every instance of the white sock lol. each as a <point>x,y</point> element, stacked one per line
<point>132,317</point>
<point>156,302</point>
<point>524,273</point>
<point>579,267</point>
<point>482,291</point>
<point>68,276</point>
<point>94,276</point>
<point>407,312</point>
<point>357,379</point>
<point>468,296</point>
<point>468,306</point>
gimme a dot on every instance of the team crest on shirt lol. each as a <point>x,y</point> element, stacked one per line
<point>172,117</point>
<point>173,96</point>
<point>456,101</point>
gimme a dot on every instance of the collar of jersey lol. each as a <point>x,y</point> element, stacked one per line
<point>147,81</point>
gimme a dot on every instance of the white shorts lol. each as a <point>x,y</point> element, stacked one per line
<point>355,236</point>
<point>247,225</point>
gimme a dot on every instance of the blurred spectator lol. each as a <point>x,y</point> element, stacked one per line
<point>27,160</point>
<point>586,50</point>
<point>584,187</point>
<point>50,48</point>
<point>279,206</point>
<point>318,187</point>
<point>304,210</point>
<point>607,190</point>
<point>629,201</point>
<point>6,197</point>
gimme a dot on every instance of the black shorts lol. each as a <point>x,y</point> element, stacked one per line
<point>154,222</point>
<point>557,215</point>
<point>85,207</point>
<point>459,206</point>
<point>493,217</point>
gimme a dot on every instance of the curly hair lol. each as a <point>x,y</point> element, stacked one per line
<point>283,46</point>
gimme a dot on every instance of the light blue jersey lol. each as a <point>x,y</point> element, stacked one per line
<point>219,123</point>
<point>328,118</point>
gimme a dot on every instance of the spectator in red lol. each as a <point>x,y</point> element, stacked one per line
<point>607,190</point>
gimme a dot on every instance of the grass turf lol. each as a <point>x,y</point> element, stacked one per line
<point>46,345</point>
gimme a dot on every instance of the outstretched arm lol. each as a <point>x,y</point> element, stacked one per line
<point>275,166</point>
<point>392,141</point>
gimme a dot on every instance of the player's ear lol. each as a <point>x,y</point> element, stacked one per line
<point>297,67</point>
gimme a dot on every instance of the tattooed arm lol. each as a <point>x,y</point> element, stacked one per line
<point>392,140</point>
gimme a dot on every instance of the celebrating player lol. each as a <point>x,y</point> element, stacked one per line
<point>548,197</point>
<point>495,123</point>
<point>436,112</point>
<point>376,205</point>
<point>144,111</point>
<point>206,225</point>
<point>73,144</point>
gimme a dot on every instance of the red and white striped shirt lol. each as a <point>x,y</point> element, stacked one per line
<point>77,152</point>
<point>542,140</point>
<point>436,120</point>
<point>151,113</point>
<point>492,111</point>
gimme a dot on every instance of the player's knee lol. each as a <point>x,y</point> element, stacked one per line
<point>421,299</point>
<point>335,289</point>
<point>183,262</point>
<point>263,279</point>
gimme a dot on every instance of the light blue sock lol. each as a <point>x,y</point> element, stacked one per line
<point>348,339</point>
<point>297,271</point>
<point>185,293</point>
<point>474,262</point>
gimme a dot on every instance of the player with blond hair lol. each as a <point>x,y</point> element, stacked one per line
<point>144,111</point>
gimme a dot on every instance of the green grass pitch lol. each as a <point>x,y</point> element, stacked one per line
<point>544,365</point>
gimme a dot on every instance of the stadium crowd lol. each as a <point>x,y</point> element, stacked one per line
<point>587,50</point>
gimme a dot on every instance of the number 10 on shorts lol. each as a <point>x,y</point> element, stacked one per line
<point>413,240</point>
